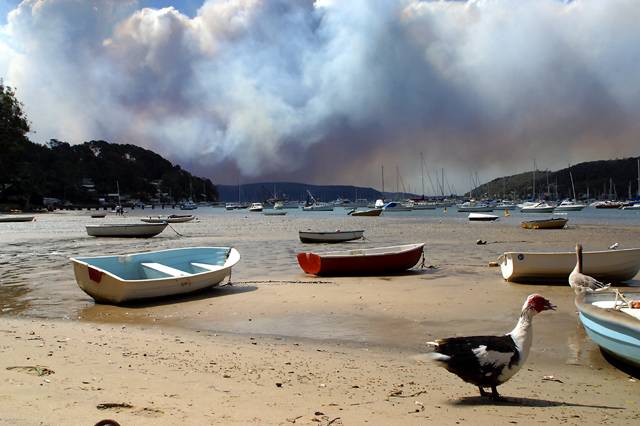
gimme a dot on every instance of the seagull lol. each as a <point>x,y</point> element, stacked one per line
<point>581,282</point>
<point>613,246</point>
<point>489,361</point>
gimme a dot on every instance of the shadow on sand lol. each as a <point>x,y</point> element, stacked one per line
<point>524,402</point>
<point>208,293</point>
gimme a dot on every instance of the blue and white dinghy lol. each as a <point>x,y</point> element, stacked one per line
<point>118,279</point>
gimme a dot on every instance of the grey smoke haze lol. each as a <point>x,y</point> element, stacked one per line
<point>325,91</point>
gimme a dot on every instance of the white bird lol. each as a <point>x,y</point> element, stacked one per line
<point>581,282</point>
<point>489,361</point>
<point>613,246</point>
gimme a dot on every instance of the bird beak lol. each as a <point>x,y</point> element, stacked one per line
<point>550,306</point>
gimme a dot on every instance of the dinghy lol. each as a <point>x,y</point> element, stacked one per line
<point>606,266</point>
<point>172,218</point>
<point>370,212</point>
<point>329,237</point>
<point>482,217</point>
<point>373,261</point>
<point>11,218</point>
<point>126,230</point>
<point>274,212</point>
<point>117,279</point>
<point>612,323</point>
<point>552,223</point>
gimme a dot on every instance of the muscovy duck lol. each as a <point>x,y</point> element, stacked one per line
<point>581,282</point>
<point>489,361</point>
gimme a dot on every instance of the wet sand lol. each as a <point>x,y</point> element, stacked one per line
<point>343,347</point>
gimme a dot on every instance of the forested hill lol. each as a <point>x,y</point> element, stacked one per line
<point>599,179</point>
<point>83,174</point>
<point>87,172</point>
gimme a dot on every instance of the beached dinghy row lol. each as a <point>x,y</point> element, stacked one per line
<point>118,279</point>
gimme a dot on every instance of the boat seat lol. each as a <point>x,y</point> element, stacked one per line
<point>206,266</point>
<point>168,270</point>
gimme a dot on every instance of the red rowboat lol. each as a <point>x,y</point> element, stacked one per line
<point>374,261</point>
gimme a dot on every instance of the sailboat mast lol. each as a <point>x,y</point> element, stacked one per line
<point>534,179</point>
<point>572,187</point>
<point>638,193</point>
<point>422,172</point>
<point>443,182</point>
<point>118,188</point>
<point>382,167</point>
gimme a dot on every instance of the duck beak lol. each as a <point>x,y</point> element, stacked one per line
<point>550,306</point>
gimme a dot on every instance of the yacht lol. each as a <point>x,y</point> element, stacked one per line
<point>473,206</point>
<point>569,206</point>
<point>256,207</point>
<point>540,207</point>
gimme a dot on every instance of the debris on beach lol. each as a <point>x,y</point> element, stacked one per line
<point>36,370</point>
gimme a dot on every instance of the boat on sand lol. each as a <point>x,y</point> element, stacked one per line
<point>606,265</point>
<point>612,323</point>
<point>552,223</point>
<point>330,236</point>
<point>370,212</point>
<point>126,230</point>
<point>373,261</point>
<point>172,218</point>
<point>122,278</point>
<point>13,218</point>
<point>482,217</point>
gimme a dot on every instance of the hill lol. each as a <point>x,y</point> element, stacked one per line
<point>91,172</point>
<point>610,179</point>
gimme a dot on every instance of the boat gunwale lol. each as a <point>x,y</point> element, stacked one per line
<point>118,278</point>
<point>348,253</point>
<point>330,232</point>
<point>531,253</point>
<point>584,304</point>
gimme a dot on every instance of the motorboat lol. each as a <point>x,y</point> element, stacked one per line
<point>608,204</point>
<point>126,230</point>
<point>569,206</point>
<point>329,236</point>
<point>540,207</point>
<point>505,205</point>
<point>612,320</point>
<point>372,261</point>
<point>635,206</point>
<point>318,207</point>
<point>552,223</point>
<point>394,206</point>
<point>123,278</point>
<point>256,207</point>
<point>188,205</point>
<point>473,206</point>
<point>482,217</point>
<point>606,265</point>
<point>274,212</point>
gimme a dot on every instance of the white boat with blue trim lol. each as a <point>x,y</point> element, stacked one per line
<point>118,279</point>
<point>613,324</point>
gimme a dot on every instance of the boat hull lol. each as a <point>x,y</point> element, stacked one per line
<point>569,208</point>
<point>168,219</point>
<point>480,217</point>
<point>127,230</point>
<point>10,218</point>
<point>555,223</point>
<point>383,260</point>
<point>484,209</point>
<point>119,279</point>
<point>329,237</point>
<point>537,210</point>
<point>371,212</point>
<point>615,332</point>
<point>606,266</point>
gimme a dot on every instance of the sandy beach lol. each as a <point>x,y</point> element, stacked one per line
<point>279,347</point>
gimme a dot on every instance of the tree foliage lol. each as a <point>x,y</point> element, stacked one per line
<point>83,173</point>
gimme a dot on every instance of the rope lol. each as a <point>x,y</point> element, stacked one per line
<point>169,225</point>
<point>422,263</point>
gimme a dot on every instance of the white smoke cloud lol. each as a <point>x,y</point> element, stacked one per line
<point>325,91</point>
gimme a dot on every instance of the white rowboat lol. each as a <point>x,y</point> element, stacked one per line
<point>117,279</point>
<point>606,266</point>
<point>329,237</point>
<point>482,217</point>
<point>126,230</point>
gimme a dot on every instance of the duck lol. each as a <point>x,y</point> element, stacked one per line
<point>581,282</point>
<point>489,361</point>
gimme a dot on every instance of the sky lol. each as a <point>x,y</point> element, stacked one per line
<point>328,91</point>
